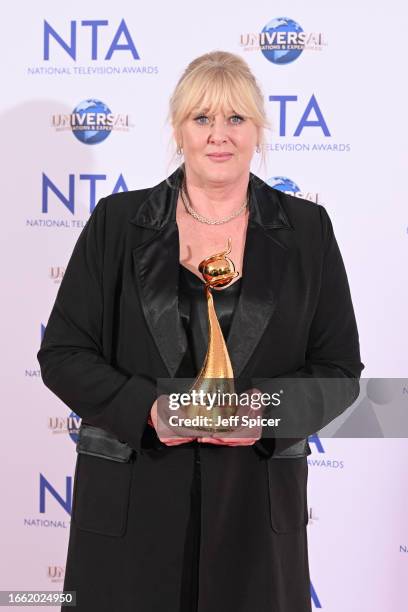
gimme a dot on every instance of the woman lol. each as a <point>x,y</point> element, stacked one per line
<point>187,523</point>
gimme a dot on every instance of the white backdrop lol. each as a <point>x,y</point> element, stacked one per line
<point>347,154</point>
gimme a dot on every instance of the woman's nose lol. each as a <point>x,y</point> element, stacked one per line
<point>218,130</point>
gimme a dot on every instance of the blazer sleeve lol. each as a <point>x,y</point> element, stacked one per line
<point>328,383</point>
<point>71,356</point>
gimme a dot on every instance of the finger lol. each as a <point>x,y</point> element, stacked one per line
<point>176,441</point>
<point>212,441</point>
<point>237,441</point>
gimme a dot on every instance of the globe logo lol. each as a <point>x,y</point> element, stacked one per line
<point>73,427</point>
<point>92,121</point>
<point>282,183</point>
<point>280,40</point>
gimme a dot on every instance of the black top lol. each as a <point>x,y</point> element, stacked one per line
<point>193,311</point>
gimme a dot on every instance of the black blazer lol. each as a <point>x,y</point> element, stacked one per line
<point>115,327</point>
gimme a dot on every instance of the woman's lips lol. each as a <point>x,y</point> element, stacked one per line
<point>218,157</point>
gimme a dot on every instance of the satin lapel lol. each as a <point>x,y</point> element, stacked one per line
<point>157,268</point>
<point>264,264</point>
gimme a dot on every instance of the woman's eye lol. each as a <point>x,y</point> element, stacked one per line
<point>237,119</point>
<point>199,119</point>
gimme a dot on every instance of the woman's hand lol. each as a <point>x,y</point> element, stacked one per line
<point>239,435</point>
<point>166,435</point>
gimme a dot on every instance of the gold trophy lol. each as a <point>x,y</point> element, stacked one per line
<point>218,271</point>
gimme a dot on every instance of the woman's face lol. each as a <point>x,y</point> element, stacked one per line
<point>217,148</point>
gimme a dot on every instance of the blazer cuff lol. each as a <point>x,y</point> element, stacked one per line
<point>127,414</point>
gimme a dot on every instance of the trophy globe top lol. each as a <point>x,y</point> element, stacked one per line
<point>218,270</point>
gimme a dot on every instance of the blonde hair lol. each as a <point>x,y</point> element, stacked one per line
<point>218,80</point>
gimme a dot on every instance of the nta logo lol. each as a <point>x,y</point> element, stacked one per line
<point>121,40</point>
